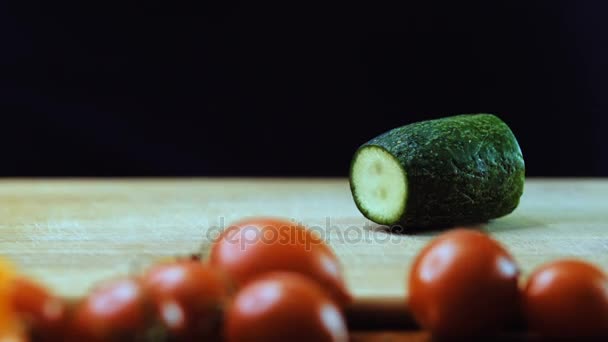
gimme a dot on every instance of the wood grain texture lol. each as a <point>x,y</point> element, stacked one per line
<point>73,233</point>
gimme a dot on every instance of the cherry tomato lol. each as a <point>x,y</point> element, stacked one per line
<point>567,298</point>
<point>284,307</point>
<point>114,310</point>
<point>260,245</point>
<point>188,296</point>
<point>43,312</point>
<point>463,283</point>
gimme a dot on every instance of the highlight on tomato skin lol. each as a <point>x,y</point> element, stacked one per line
<point>255,246</point>
<point>464,283</point>
<point>188,296</point>
<point>284,307</point>
<point>567,298</point>
<point>115,309</point>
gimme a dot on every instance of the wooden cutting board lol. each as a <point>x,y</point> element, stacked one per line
<point>73,233</point>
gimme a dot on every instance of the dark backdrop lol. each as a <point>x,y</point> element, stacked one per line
<point>284,88</point>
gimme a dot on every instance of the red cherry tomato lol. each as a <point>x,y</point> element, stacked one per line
<point>260,245</point>
<point>188,296</point>
<point>114,310</point>
<point>284,307</point>
<point>463,283</point>
<point>567,298</point>
<point>43,312</point>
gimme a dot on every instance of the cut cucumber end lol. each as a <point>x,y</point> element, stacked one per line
<point>379,184</point>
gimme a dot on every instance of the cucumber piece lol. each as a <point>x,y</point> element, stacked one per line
<point>462,169</point>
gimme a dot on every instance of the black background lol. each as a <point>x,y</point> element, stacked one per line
<point>283,88</point>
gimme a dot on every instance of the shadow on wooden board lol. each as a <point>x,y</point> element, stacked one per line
<point>507,223</point>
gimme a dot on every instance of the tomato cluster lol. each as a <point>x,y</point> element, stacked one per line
<point>274,280</point>
<point>464,283</point>
<point>286,287</point>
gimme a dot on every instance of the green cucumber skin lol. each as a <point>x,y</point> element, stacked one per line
<point>462,169</point>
